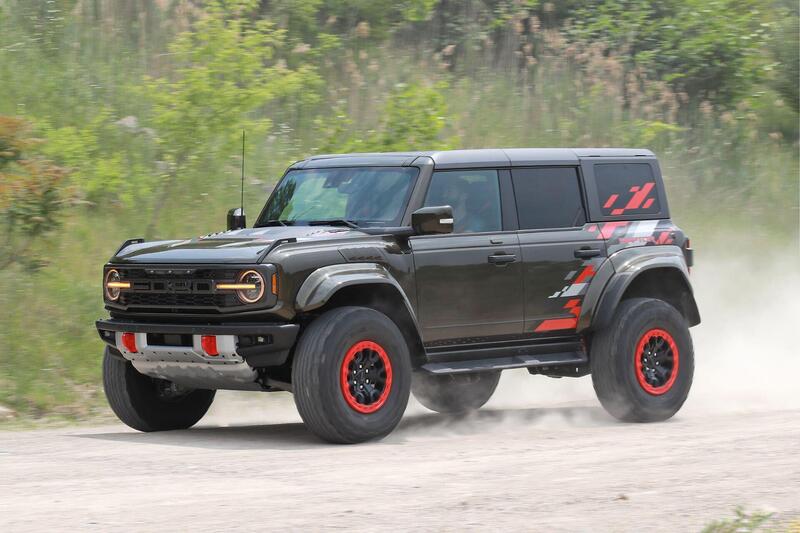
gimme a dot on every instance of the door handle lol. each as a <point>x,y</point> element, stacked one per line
<point>502,259</point>
<point>586,252</point>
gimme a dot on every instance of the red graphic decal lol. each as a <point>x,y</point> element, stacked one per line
<point>610,201</point>
<point>585,274</point>
<point>555,324</point>
<point>640,195</point>
<point>592,228</point>
<point>664,238</point>
<point>575,310</point>
<point>607,229</point>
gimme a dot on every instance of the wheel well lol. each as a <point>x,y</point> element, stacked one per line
<point>387,299</point>
<point>669,285</point>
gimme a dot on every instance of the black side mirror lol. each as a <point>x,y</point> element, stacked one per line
<point>432,220</point>
<point>236,219</point>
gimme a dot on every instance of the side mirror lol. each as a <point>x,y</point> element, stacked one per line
<point>432,220</point>
<point>236,219</point>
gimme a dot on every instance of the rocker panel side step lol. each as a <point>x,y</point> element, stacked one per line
<point>504,363</point>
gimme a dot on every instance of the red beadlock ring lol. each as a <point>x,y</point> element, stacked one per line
<point>366,377</point>
<point>650,351</point>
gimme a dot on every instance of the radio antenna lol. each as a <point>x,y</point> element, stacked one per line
<point>242,199</point>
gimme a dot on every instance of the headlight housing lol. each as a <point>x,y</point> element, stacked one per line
<point>253,286</point>
<point>250,286</point>
<point>113,285</point>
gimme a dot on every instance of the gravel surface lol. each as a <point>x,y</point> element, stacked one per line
<point>554,468</point>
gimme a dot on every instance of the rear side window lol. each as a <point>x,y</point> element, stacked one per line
<point>548,198</point>
<point>626,189</point>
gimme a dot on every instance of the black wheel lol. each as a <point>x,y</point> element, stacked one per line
<point>351,375</point>
<point>454,393</point>
<point>150,404</point>
<point>643,363</point>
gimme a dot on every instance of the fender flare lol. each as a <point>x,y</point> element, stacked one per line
<point>628,265</point>
<point>324,282</point>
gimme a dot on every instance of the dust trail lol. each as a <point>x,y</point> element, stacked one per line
<point>746,355</point>
<point>746,349</point>
<point>747,359</point>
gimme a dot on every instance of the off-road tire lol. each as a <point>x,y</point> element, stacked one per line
<point>617,356</point>
<point>454,393</point>
<point>317,375</point>
<point>136,400</point>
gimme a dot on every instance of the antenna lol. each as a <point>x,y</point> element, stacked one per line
<point>242,200</point>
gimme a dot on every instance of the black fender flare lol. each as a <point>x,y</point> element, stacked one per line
<point>323,283</point>
<point>622,269</point>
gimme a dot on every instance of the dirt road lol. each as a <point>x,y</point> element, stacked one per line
<point>548,469</point>
<point>541,456</point>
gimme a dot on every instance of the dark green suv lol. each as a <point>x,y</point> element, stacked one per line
<point>370,276</point>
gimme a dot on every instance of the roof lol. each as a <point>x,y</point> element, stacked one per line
<point>488,157</point>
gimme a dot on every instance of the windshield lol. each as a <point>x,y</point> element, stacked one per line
<point>364,196</point>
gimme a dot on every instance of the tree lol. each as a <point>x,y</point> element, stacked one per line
<point>709,49</point>
<point>226,74</point>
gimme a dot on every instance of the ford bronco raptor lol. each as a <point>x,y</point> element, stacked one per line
<point>367,277</point>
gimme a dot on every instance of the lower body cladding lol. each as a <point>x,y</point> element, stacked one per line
<point>202,357</point>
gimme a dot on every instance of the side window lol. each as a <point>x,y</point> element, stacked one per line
<point>474,196</point>
<point>548,198</point>
<point>626,189</point>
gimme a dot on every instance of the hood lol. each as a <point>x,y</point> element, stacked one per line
<point>238,246</point>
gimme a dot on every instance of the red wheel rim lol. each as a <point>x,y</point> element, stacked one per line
<point>366,377</point>
<point>656,361</point>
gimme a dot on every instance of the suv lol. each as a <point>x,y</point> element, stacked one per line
<point>370,276</point>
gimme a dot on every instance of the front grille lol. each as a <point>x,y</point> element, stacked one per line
<point>177,299</point>
<point>184,289</point>
<point>176,289</point>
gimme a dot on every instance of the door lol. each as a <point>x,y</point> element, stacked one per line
<point>469,283</point>
<point>560,257</point>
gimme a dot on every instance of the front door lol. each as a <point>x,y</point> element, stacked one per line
<point>469,283</point>
<point>560,256</point>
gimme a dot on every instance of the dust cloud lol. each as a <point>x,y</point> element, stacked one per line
<point>746,352</point>
<point>747,359</point>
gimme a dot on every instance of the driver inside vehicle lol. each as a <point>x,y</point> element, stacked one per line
<point>474,197</point>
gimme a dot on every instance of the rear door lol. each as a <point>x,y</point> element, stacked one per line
<point>560,255</point>
<point>469,283</point>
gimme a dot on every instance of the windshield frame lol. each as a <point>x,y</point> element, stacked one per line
<point>262,222</point>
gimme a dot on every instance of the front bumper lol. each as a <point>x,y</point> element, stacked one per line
<point>259,344</point>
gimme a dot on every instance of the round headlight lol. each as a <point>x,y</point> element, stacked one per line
<point>256,280</point>
<point>112,278</point>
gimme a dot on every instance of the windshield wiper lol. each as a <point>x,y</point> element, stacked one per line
<point>277,223</point>
<point>333,222</point>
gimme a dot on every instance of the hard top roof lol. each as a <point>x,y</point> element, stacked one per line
<point>487,157</point>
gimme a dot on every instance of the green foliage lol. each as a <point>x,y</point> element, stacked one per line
<point>709,49</point>
<point>29,195</point>
<point>743,522</point>
<point>226,68</point>
<point>413,118</point>
<point>786,51</point>
<point>99,154</point>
